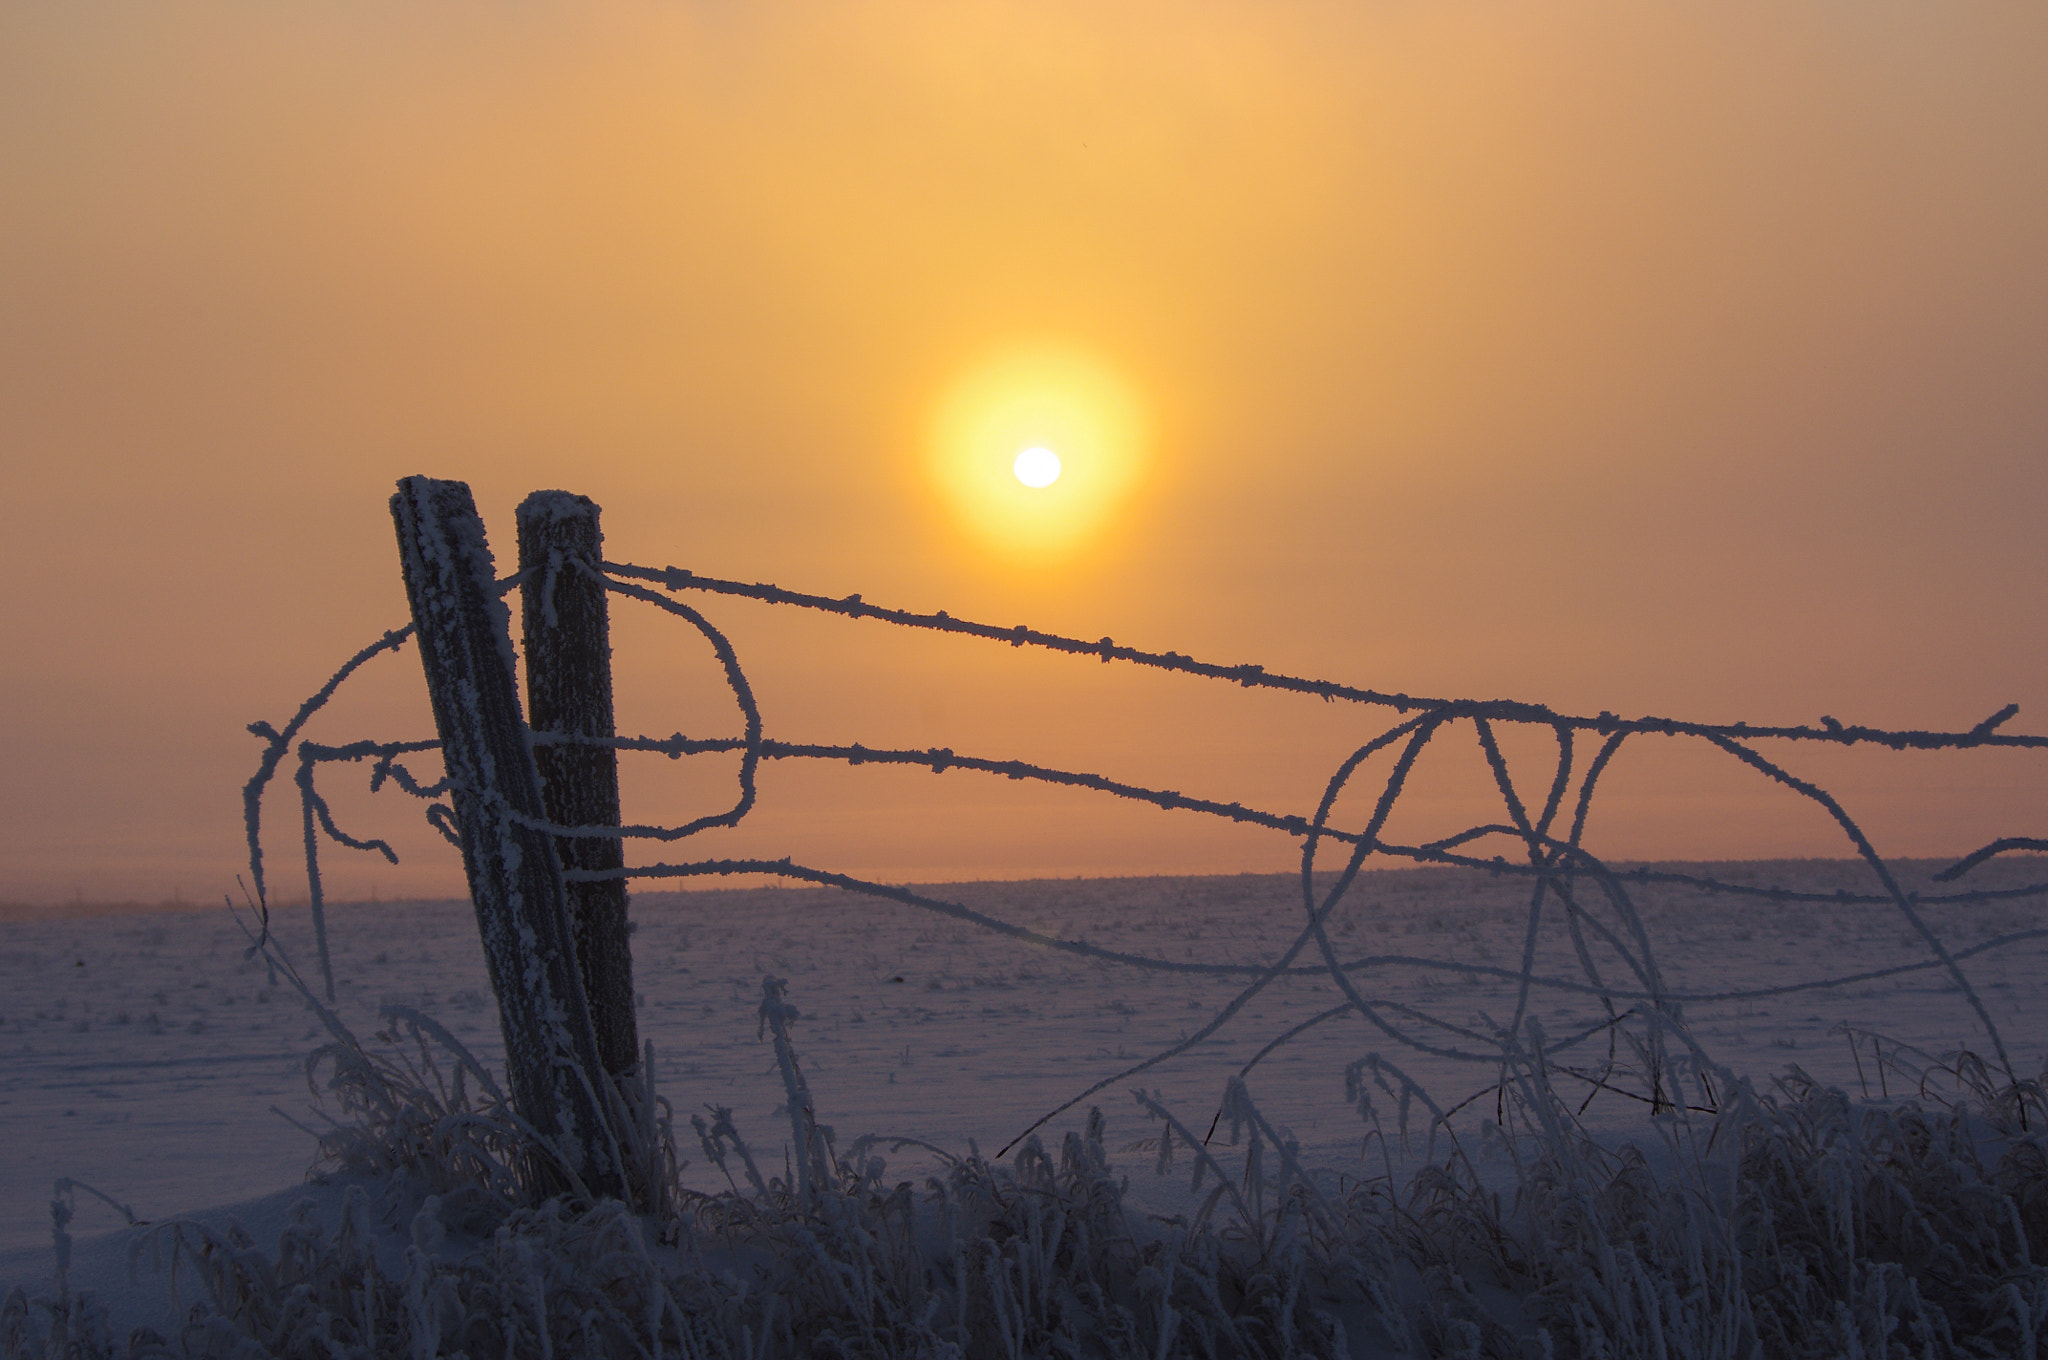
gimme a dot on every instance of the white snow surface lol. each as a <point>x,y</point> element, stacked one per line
<point>143,1053</point>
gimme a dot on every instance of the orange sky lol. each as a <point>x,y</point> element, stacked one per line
<point>1659,359</point>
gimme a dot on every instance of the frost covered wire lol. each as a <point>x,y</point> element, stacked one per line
<point>1258,677</point>
<point>1612,948</point>
<point>277,743</point>
<point>1544,857</point>
<point>313,811</point>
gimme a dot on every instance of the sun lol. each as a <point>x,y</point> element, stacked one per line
<point>1035,449</point>
<point>1037,467</point>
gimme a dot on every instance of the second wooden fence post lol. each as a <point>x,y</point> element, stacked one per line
<point>567,628</point>
<point>515,881</point>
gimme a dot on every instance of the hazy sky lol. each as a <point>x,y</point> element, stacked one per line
<point>1677,359</point>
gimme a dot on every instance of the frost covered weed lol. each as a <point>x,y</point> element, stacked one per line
<point>450,1131</point>
<point>420,1112</point>
<point>1790,1223</point>
<point>1884,1228</point>
<point>1039,1256</point>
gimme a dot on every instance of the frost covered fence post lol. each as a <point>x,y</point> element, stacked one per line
<point>515,880</point>
<point>567,627</point>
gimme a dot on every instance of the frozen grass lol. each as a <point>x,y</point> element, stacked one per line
<point>1790,1222</point>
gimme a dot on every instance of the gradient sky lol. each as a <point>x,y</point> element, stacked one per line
<point>1675,359</point>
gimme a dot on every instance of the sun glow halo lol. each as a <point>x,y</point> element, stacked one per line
<point>991,451</point>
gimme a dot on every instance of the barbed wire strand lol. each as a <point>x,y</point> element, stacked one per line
<point>1250,676</point>
<point>313,808</point>
<point>278,742</point>
<point>942,759</point>
<point>1884,875</point>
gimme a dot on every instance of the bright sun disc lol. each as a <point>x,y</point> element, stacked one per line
<point>1037,467</point>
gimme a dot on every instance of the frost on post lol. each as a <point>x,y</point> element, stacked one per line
<point>515,879</point>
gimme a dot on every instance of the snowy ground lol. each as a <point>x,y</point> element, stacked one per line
<point>143,1053</point>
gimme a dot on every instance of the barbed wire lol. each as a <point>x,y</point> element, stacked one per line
<point>1252,676</point>
<point>1557,868</point>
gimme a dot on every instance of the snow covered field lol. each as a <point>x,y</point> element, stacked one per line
<point>143,1053</point>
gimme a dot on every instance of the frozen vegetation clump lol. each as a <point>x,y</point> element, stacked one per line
<point>1788,1223</point>
<point>1039,1256</point>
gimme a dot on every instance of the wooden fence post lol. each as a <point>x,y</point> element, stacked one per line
<point>566,625</point>
<point>551,1059</point>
